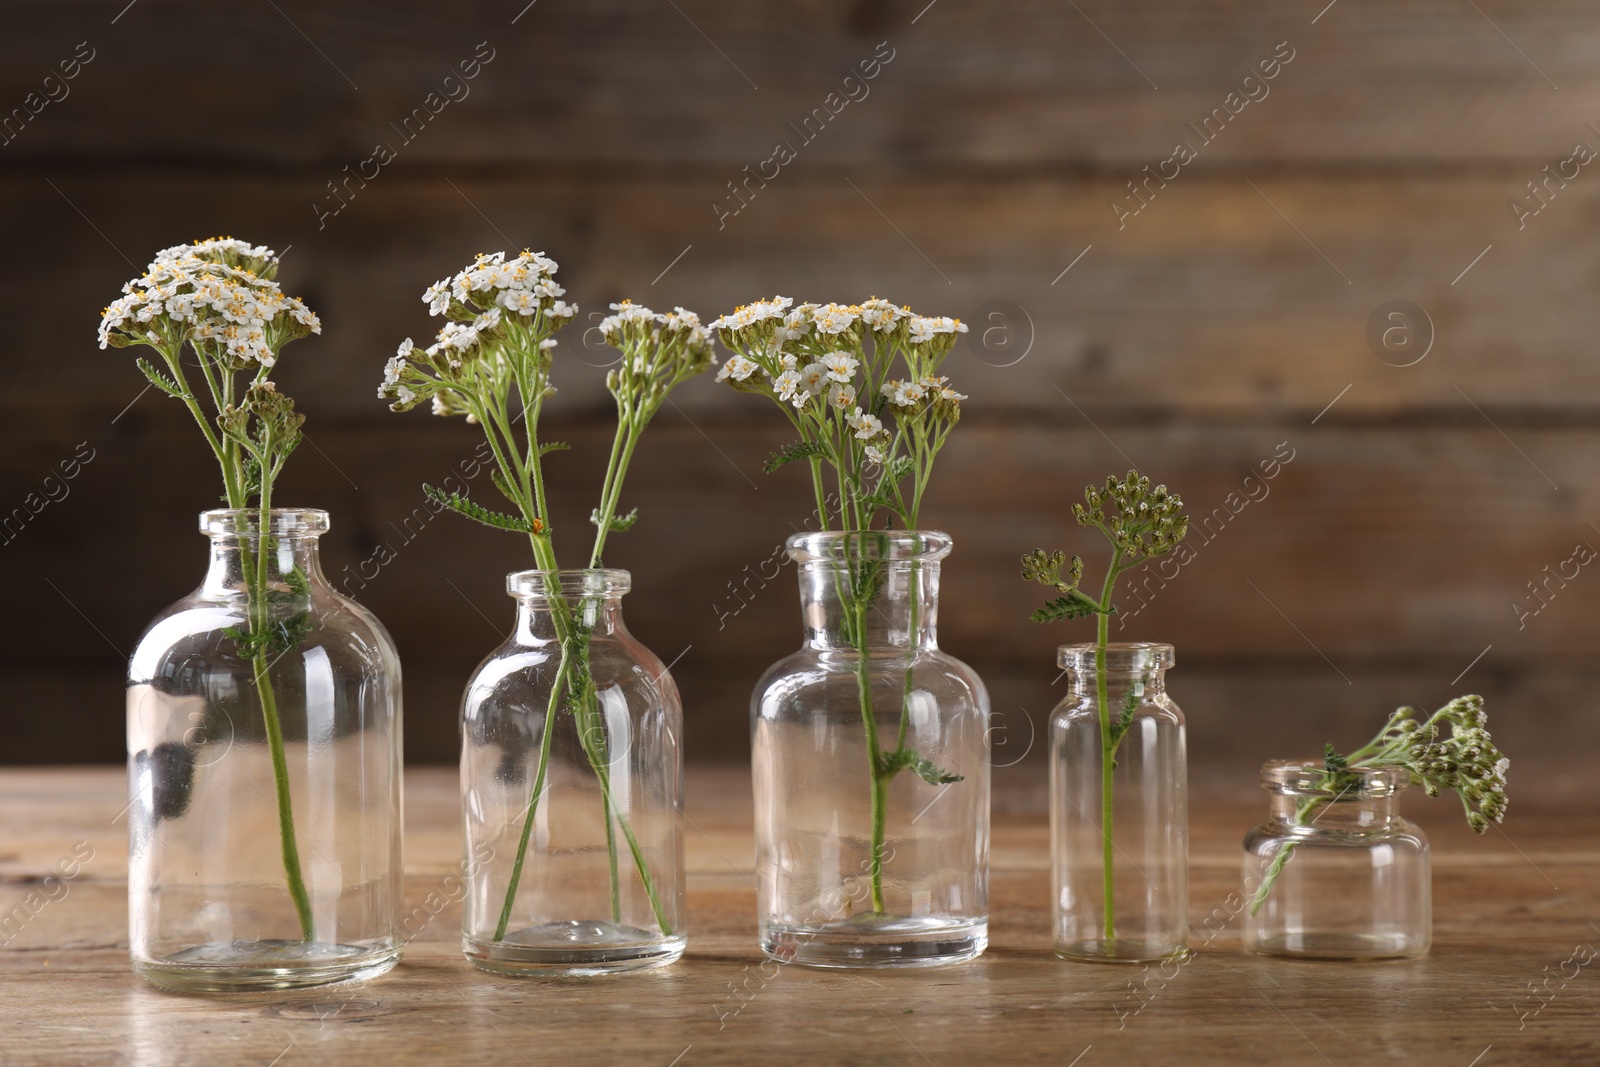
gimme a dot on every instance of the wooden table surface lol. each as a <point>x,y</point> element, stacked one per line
<point>1509,979</point>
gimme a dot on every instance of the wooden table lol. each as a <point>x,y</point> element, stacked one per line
<point>1516,916</point>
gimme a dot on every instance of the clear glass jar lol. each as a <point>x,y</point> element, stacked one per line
<point>572,789</point>
<point>1336,872</point>
<point>264,773</point>
<point>1119,808</point>
<point>863,857</point>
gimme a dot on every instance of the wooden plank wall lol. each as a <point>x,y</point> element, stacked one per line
<point>982,171</point>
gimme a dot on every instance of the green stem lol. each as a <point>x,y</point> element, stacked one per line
<point>1107,758</point>
<point>259,621</point>
<point>533,801</point>
<point>816,486</point>
<point>614,486</point>
<point>1304,809</point>
<point>280,777</point>
<point>597,763</point>
<point>880,783</point>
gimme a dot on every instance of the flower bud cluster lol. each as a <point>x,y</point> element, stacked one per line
<point>1142,521</point>
<point>1466,760</point>
<point>264,422</point>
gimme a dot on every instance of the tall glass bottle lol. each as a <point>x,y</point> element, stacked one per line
<point>1119,815</point>
<point>1336,872</point>
<point>572,789</point>
<point>871,767</point>
<point>264,773</point>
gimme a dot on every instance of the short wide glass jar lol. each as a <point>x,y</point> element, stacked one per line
<point>1335,872</point>
<point>572,789</point>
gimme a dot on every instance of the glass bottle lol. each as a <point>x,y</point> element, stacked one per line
<point>871,770</point>
<point>264,773</point>
<point>1336,872</point>
<point>572,789</point>
<point>1119,808</point>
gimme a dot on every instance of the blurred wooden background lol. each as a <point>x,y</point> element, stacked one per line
<point>1226,322</point>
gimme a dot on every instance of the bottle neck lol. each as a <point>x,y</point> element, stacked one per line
<point>1143,684</point>
<point>879,606</point>
<point>1333,812</point>
<point>542,619</point>
<point>240,561</point>
<point>1305,793</point>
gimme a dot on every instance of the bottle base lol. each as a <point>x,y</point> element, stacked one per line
<point>877,941</point>
<point>573,949</point>
<point>1337,946</point>
<point>252,966</point>
<point>1121,950</point>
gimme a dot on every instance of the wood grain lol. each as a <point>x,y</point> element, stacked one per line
<point>1024,82</point>
<point>1501,924</point>
<point>1218,300</point>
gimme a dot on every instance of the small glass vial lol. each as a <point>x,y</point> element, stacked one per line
<point>1119,808</point>
<point>1335,872</point>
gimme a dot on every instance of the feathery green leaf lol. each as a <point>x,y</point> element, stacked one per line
<point>924,768</point>
<point>793,451</point>
<point>478,513</point>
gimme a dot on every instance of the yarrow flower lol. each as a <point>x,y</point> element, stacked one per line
<point>497,307</point>
<point>882,315</point>
<point>752,313</point>
<point>788,387</point>
<point>813,378</point>
<point>904,394</point>
<point>866,426</point>
<point>738,368</point>
<point>216,292</point>
<point>834,318</point>
<point>925,329</point>
<point>840,366</point>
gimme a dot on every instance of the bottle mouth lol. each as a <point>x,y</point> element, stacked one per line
<point>1122,657</point>
<point>576,584</point>
<point>835,546</point>
<point>281,522</point>
<point>1310,778</point>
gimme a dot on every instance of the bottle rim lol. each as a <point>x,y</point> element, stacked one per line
<point>1310,778</point>
<point>589,582</point>
<point>1122,657</point>
<point>281,522</point>
<point>841,546</point>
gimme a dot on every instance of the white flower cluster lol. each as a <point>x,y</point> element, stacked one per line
<point>494,305</point>
<point>753,313</point>
<point>677,324</point>
<point>225,250</point>
<point>903,394</point>
<point>192,293</point>
<point>659,350</point>
<point>814,357</point>
<point>524,285</point>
